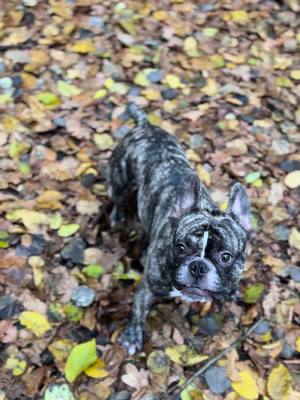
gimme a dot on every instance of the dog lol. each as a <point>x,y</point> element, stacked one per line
<point>196,252</point>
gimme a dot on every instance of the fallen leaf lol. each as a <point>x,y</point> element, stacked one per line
<point>184,355</point>
<point>35,322</point>
<point>246,386</point>
<point>294,238</point>
<point>81,357</point>
<point>16,365</point>
<point>97,370</point>
<point>279,383</point>
<point>68,230</point>
<point>67,90</point>
<point>292,180</point>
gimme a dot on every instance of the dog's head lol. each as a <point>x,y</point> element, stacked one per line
<point>209,245</point>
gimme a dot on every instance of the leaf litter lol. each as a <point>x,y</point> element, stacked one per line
<point>223,78</point>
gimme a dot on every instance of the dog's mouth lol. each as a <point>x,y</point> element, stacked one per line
<point>200,294</point>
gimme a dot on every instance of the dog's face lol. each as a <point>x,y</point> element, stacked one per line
<point>209,248</point>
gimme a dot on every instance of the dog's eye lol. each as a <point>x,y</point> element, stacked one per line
<point>180,248</point>
<point>226,258</point>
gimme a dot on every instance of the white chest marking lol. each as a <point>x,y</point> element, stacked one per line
<point>205,239</point>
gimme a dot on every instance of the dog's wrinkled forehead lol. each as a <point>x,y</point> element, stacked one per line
<point>223,230</point>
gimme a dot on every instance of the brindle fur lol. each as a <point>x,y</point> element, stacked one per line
<point>174,207</point>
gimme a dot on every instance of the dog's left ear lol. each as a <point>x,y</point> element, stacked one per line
<point>188,193</point>
<point>239,206</point>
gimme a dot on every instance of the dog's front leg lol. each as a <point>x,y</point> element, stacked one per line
<point>133,336</point>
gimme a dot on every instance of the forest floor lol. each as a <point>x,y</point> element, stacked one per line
<point>224,77</point>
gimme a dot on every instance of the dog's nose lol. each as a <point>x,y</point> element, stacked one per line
<point>198,269</point>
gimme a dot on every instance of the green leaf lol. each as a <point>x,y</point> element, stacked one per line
<point>93,270</point>
<point>59,392</point>
<point>68,90</point>
<point>254,293</point>
<point>49,99</point>
<point>24,168</point>
<point>253,176</point>
<point>210,32</point>
<point>68,230</point>
<point>73,313</point>
<point>80,358</point>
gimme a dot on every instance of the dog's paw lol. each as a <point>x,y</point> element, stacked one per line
<point>132,338</point>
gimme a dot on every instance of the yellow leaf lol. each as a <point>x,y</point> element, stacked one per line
<point>68,230</point>
<point>61,349</point>
<point>151,94</point>
<point>279,383</point>
<point>37,264</point>
<point>83,46</point>
<point>141,79</point>
<point>81,357</point>
<point>17,366</point>
<point>184,355</point>
<point>295,74</point>
<point>190,47</point>
<point>35,322</point>
<point>160,15</point>
<point>203,175</point>
<point>294,238</point>
<point>49,199</point>
<point>103,141</point>
<point>292,180</point>
<point>211,88</point>
<point>298,344</point>
<point>97,370</point>
<point>68,90</point>
<point>246,387</point>
<point>239,16</point>
<point>173,81</point>
<point>100,94</point>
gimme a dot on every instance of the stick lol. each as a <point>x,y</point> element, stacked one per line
<point>220,355</point>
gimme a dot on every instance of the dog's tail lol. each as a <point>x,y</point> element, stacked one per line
<point>137,114</point>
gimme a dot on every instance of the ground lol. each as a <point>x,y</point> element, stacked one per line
<point>224,77</point>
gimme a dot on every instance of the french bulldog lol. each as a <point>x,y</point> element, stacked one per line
<point>196,252</point>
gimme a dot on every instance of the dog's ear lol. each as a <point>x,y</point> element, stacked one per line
<point>187,197</point>
<point>239,206</point>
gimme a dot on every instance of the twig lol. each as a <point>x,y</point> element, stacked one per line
<point>219,356</point>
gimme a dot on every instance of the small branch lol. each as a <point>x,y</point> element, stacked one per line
<point>213,360</point>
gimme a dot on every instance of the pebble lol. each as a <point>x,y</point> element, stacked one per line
<point>6,82</point>
<point>281,232</point>
<point>216,380</point>
<point>59,121</point>
<point>209,326</point>
<point>152,42</point>
<point>207,7</point>
<point>2,67</point>
<point>7,306</point>
<point>295,273</point>
<point>30,3</point>
<point>287,351</point>
<point>47,357</point>
<point>34,249</point>
<point>96,22</point>
<point>28,19</point>
<point>290,45</point>
<point>155,76</point>
<point>282,147</point>
<point>87,180</point>
<point>169,94</point>
<point>135,91</point>
<point>288,128</point>
<point>290,165</point>
<point>196,141</point>
<point>262,328</point>
<point>74,250</point>
<point>17,81</point>
<point>123,395</point>
<point>83,296</point>
<point>247,118</point>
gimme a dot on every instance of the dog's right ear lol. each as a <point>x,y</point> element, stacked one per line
<point>186,197</point>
